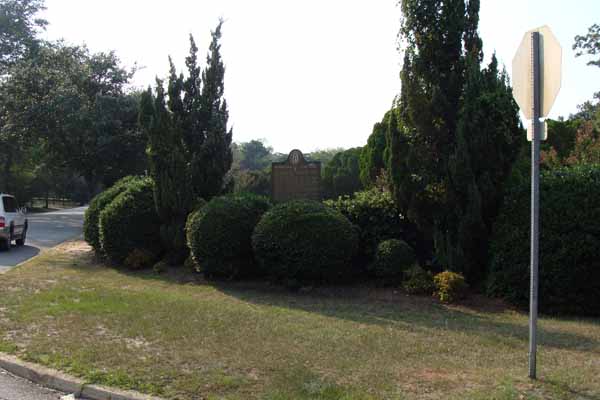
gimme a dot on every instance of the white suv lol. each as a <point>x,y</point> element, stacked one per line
<point>13,224</point>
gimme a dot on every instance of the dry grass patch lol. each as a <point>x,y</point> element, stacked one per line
<point>182,338</point>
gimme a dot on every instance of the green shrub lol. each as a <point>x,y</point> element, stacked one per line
<point>450,286</point>
<point>569,243</point>
<point>160,267</point>
<point>139,259</point>
<point>392,258</point>
<point>375,213</point>
<point>91,233</point>
<point>305,241</point>
<point>220,235</point>
<point>130,222</point>
<point>418,281</point>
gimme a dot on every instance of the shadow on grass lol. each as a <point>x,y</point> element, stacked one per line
<point>384,307</point>
<point>388,308</point>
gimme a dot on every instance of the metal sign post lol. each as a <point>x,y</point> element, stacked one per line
<point>535,201</point>
<point>536,79</point>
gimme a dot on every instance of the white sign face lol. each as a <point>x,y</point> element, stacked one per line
<point>550,71</point>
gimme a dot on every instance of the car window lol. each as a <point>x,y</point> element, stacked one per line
<point>10,204</point>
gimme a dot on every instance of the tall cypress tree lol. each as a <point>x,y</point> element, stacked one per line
<point>213,158</point>
<point>168,166</point>
<point>188,141</point>
<point>372,157</point>
<point>488,141</point>
<point>458,133</point>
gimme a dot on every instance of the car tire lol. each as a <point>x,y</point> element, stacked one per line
<point>7,244</point>
<point>21,241</point>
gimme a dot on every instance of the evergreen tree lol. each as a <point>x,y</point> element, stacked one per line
<point>341,175</point>
<point>372,158</point>
<point>168,167</point>
<point>457,135</point>
<point>188,141</point>
<point>213,158</point>
<point>487,144</point>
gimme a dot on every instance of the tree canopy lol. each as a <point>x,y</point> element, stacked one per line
<point>589,44</point>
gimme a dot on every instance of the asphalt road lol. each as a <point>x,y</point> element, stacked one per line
<point>45,230</point>
<point>14,388</point>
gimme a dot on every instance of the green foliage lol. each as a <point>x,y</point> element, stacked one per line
<point>168,167</point>
<point>373,211</point>
<point>255,155</point>
<point>91,219</point>
<point>418,281</point>
<point>256,182</point>
<point>65,110</point>
<point>453,134</point>
<point>219,235</point>
<point>569,242</point>
<point>587,146</point>
<point>211,154</point>
<point>373,155</point>
<point>561,136</point>
<point>488,141</point>
<point>130,222</point>
<point>588,44</point>
<point>324,155</point>
<point>450,286</point>
<point>341,175</point>
<point>160,267</point>
<point>18,30</point>
<point>189,144</point>
<point>392,258</point>
<point>305,242</point>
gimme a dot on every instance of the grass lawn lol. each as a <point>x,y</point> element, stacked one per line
<point>179,337</point>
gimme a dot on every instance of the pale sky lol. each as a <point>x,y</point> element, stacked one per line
<point>308,74</point>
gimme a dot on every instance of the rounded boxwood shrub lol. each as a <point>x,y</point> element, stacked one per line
<point>91,233</point>
<point>569,269</point>
<point>220,235</point>
<point>450,286</point>
<point>392,258</point>
<point>418,281</point>
<point>304,241</point>
<point>130,222</point>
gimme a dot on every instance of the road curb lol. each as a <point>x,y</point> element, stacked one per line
<point>57,380</point>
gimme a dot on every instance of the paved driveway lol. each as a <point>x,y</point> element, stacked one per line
<point>45,230</point>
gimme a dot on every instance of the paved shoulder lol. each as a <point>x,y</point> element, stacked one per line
<point>14,388</point>
<point>45,230</point>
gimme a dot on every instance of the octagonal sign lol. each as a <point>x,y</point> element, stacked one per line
<point>550,70</point>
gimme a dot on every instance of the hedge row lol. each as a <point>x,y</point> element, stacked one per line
<point>569,273</point>
<point>306,242</point>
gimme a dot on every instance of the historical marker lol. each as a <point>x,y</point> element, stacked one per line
<point>296,178</point>
<point>536,79</point>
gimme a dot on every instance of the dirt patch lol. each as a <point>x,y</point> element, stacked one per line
<point>74,247</point>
